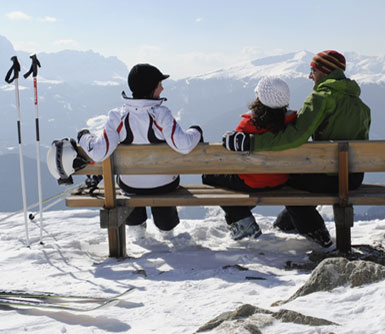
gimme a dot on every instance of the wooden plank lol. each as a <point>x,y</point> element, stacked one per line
<point>343,218</point>
<point>109,183</point>
<point>367,156</point>
<point>207,200</point>
<point>343,172</point>
<point>210,200</point>
<point>116,235</point>
<point>213,158</point>
<point>204,200</point>
<point>208,196</point>
<point>74,201</point>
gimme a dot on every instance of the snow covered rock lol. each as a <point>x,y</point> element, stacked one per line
<point>253,318</point>
<point>338,271</point>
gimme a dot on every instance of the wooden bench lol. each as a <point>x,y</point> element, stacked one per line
<point>212,158</point>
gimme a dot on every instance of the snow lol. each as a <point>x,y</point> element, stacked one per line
<point>106,83</point>
<point>48,81</point>
<point>290,65</point>
<point>363,69</point>
<point>11,88</point>
<point>181,282</point>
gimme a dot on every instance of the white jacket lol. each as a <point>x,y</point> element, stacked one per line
<point>140,121</point>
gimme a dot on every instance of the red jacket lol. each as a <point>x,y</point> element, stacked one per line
<point>262,180</point>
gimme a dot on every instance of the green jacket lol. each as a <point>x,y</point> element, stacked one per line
<point>333,111</point>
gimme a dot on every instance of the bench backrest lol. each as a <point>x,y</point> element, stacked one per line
<point>317,157</point>
<point>213,158</point>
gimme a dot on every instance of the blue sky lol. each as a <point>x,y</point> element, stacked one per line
<point>191,37</point>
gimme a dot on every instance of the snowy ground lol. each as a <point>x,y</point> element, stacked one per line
<point>182,282</point>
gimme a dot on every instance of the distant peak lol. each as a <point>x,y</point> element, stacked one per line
<point>297,64</point>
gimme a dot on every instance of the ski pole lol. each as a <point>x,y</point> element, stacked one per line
<point>59,198</point>
<point>50,205</point>
<point>15,69</point>
<point>33,70</point>
<point>32,206</point>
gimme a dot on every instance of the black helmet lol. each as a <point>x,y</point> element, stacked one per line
<point>143,79</point>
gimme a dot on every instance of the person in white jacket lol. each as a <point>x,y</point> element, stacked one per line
<point>143,119</point>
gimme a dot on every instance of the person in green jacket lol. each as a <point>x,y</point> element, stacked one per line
<point>333,111</point>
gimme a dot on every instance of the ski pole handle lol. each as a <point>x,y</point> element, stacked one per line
<point>35,64</point>
<point>15,69</point>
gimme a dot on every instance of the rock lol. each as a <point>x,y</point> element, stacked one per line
<point>298,318</point>
<point>329,274</point>
<point>338,271</point>
<point>243,311</point>
<point>252,329</point>
<point>252,318</point>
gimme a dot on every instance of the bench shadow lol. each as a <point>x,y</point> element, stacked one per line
<point>182,259</point>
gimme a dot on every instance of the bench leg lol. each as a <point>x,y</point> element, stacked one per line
<point>117,241</point>
<point>343,218</point>
<point>114,220</point>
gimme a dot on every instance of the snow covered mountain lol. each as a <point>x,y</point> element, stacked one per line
<point>76,89</point>
<point>364,69</point>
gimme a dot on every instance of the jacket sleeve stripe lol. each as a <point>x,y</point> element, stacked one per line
<point>107,141</point>
<point>120,127</point>
<point>173,133</point>
<point>159,128</point>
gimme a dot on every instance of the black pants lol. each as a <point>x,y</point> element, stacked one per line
<point>306,219</point>
<point>233,182</point>
<point>165,218</point>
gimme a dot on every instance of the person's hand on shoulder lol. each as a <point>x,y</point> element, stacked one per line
<point>236,141</point>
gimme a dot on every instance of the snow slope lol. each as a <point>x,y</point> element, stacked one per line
<point>182,282</point>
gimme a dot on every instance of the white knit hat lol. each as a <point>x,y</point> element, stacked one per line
<point>273,92</point>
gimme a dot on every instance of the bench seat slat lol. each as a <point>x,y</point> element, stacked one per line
<point>367,194</point>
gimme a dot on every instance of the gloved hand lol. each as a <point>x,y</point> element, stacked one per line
<point>81,133</point>
<point>236,141</point>
<point>199,129</point>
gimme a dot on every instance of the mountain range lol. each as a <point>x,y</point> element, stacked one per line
<point>77,88</point>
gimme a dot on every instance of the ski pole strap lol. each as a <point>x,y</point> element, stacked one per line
<point>15,69</point>
<point>35,64</point>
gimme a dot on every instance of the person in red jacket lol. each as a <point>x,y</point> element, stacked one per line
<point>268,113</point>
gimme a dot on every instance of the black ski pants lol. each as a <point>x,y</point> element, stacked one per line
<point>307,219</point>
<point>165,218</point>
<point>233,182</point>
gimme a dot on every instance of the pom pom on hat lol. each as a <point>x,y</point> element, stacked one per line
<point>273,92</point>
<point>327,61</point>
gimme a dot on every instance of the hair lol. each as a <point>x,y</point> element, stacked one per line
<point>147,96</point>
<point>267,118</point>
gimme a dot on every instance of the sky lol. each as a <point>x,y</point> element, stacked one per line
<point>186,38</point>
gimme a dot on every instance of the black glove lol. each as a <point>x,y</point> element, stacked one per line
<point>199,129</point>
<point>81,133</point>
<point>92,182</point>
<point>236,141</point>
